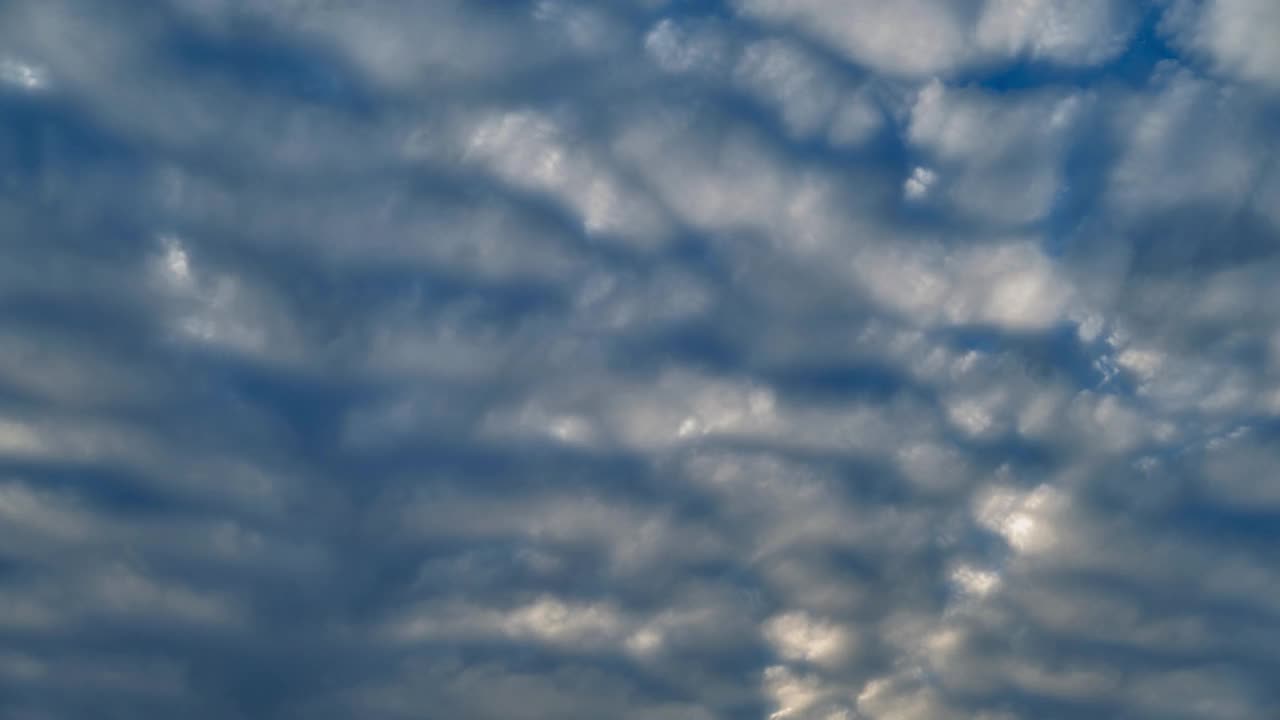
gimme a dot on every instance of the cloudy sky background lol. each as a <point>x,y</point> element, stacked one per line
<point>684,360</point>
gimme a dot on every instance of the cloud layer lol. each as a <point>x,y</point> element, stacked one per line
<point>802,360</point>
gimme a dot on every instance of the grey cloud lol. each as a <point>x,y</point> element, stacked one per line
<point>845,361</point>
<point>923,38</point>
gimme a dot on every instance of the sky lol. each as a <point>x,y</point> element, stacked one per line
<point>640,359</point>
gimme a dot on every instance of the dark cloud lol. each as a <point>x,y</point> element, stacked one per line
<point>651,360</point>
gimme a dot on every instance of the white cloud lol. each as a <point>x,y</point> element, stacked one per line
<point>917,186</point>
<point>922,38</point>
<point>1236,35</point>
<point>220,309</point>
<point>678,48</point>
<point>805,93</point>
<point>581,626</point>
<point>894,699</point>
<point>1076,32</point>
<point>797,636</point>
<point>802,697</point>
<point>1024,520</point>
<point>22,75</point>
<point>1010,285</point>
<point>529,150</point>
<point>1185,122</point>
<point>649,360</point>
<point>1003,153</point>
<point>917,37</point>
<point>974,581</point>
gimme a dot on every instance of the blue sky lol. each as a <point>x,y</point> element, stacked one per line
<point>648,359</point>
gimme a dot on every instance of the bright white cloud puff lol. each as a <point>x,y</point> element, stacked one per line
<point>742,359</point>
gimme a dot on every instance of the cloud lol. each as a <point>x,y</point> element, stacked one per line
<point>912,38</point>
<point>923,37</point>
<point>652,360</point>
<point>1069,33</point>
<point>999,158</point>
<point>1232,34</point>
